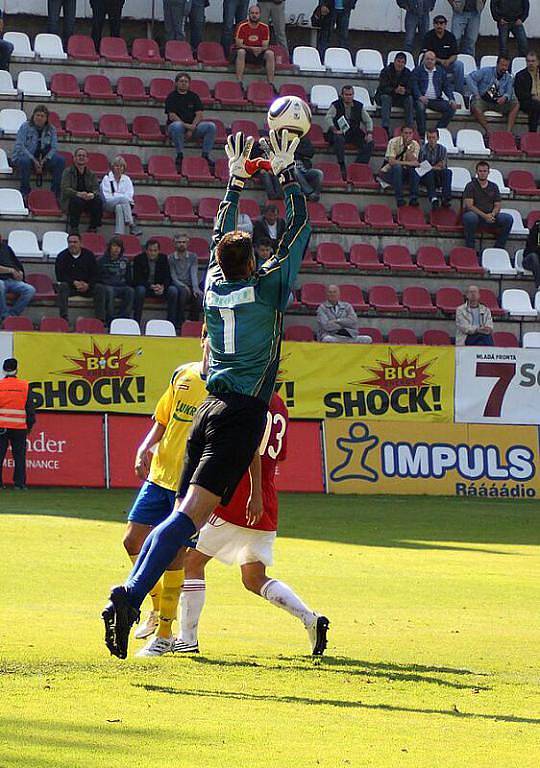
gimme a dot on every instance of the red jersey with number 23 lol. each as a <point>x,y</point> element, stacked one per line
<point>273,448</point>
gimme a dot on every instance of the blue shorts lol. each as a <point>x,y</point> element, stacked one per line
<point>152,505</point>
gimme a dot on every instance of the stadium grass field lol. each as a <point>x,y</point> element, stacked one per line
<point>433,660</point>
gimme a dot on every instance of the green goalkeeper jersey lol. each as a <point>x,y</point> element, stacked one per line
<point>245,317</point>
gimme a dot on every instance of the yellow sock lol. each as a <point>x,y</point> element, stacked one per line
<point>155,592</point>
<point>172,586</point>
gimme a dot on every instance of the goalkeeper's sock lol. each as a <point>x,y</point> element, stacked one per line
<point>191,605</point>
<point>168,606</point>
<point>282,596</point>
<point>155,592</point>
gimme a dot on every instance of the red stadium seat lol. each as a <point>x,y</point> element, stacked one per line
<point>366,258</point>
<point>199,245</point>
<point>431,259</point>
<point>42,202</point>
<point>346,216</point>
<point>385,299</point>
<point>132,245</point>
<point>376,335</point>
<point>54,324</point>
<point>192,328</point>
<point>353,294</point>
<point>89,325</point>
<point>532,218</point>
<point>114,127</point>
<point>250,207</point>
<point>316,136</point>
<point>54,119</point>
<point>530,144</point>
<point>398,258</point>
<point>260,94</point>
<point>208,208</point>
<point>503,339</point>
<point>166,243</point>
<point>523,183</point>
<point>146,51</point>
<point>98,163</point>
<point>380,138</point>
<point>318,216</point>
<point>81,126</point>
<point>292,89</point>
<point>379,216</point>
<point>298,333</point>
<point>178,208</point>
<point>98,87</point>
<point>309,263</point>
<point>402,336</point>
<point>114,49</point>
<point>221,131</point>
<point>221,170</point>
<point>331,174</point>
<point>312,294</point>
<point>134,168</point>
<point>17,324</point>
<point>247,127</point>
<point>43,285</point>
<point>160,87</point>
<point>131,88</point>
<point>417,299</point>
<point>65,86</point>
<point>465,260</point>
<point>196,169</point>
<point>211,55</point>
<point>146,208</point>
<point>412,219</point>
<point>179,52</point>
<point>360,176</point>
<point>147,128</point>
<point>331,256</point>
<point>94,242</point>
<point>229,93</point>
<point>282,59</point>
<point>448,299</point>
<point>163,168</point>
<point>437,338</point>
<point>503,143</point>
<point>446,220</point>
<point>202,89</point>
<point>82,47</point>
<point>488,298</point>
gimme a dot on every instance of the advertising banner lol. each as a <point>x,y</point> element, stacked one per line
<point>497,386</point>
<point>125,435</point>
<point>451,459</point>
<point>6,346</point>
<point>63,449</point>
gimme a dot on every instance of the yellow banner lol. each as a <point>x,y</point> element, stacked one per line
<point>119,374</point>
<point>451,459</point>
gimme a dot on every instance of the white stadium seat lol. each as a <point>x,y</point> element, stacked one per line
<point>460,101</point>
<point>53,242</point>
<point>124,326</point>
<point>518,227</point>
<point>339,60</point>
<point>49,47</point>
<point>518,258</point>
<point>6,84</point>
<point>33,84</point>
<point>322,96</point>
<point>11,120</point>
<point>497,261</point>
<point>469,63</point>
<point>4,164</point>
<point>497,178</point>
<point>447,140</point>
<point>518,64</point>
<point>362,94</point>
<point>409,63</point>
<point>471,142</point>
<point>537,301</point>
<point>12,203</point>
<point>531,340</point>
<point>488,61</point>
<point>460,178</point>
<point>24,244</point>
<point>518,303</point>
<point>368,61</point>
<point>160,328</point>
<point>307,59</point>
<point>21,45</point>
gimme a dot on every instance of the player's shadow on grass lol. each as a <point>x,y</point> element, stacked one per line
<point>341,703</point>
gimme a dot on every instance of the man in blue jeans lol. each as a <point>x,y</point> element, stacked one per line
<point>234,13</point>
<point>440,175</point>
<point>466,23</point>
<point>401,158</point>
<point>12,281</point>
<point>444,46</point>
<point>53,18</point>
<point>416,17</point>
<point>482,207</point>
<point>184,111</point>
<point>510,16</point>
<point>36,150</point>
<point>428,84</point>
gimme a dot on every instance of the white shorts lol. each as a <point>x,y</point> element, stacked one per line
<point>232,544</point>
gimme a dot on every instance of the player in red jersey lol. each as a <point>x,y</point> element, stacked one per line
<point>243,532</point>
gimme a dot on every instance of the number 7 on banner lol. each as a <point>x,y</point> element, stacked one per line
<point>504,373</point>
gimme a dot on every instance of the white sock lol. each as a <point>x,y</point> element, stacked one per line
<point>191,605</point>
<point>279,594</point>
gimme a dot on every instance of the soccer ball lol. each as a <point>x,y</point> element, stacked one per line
<point>291,113</point>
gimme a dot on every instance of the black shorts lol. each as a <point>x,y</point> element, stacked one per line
<point>226,432</point>
<point>251,58</point>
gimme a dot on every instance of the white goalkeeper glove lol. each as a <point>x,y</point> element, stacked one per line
<point>238,150</point>
<point>280,151</point>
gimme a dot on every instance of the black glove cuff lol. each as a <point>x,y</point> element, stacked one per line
<point>287,175</point>
<point>236,183</point>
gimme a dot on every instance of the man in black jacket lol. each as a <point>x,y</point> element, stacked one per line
<point>269,226</point>
<point>114,282</point>
<point>347,122</point>
<point>12,281</point>
<point>309,178</point>
<point>76,273</point>
<point>152,277</point>
<point>394,90</point>
<point>531,254</point>
<point>510,16</point>
<point>527,88</point>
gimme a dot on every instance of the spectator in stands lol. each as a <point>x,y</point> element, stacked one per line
<point>183,267</point>
<point>466,23</point>
<point>184,111</point>
<point>323,20</point>
<point>492,89</point>
<point>482,206</point>
<point>117,193</point>
<point>531,253</point>
<point>510,16</point>
<point>36,149</point>
<point>474,325</point>
<point>100,10</point>
<point>271,185</point>
<point>6,48</point>
<point>309,178</point>
<point>252,41</point>
<point>234,13</point>
<point>347,122</point>
<point>440,176</point>
<point>197,20</point>
<point>269,226</point>
<point>173,19</point>
<point>53,18</point>
<point>79,193</point>
<point>527,88</point>
<point>263,251</point>
<point>152,277</point>
<point>401,160</point>
<point>429,83</point>
<point>12,281</point>
<point>394,90</point>
<point>444,45</point>
<point>336,319</point>
<point>273,11</point>
<point>114,282</point>
<point>416,17</point>
<point>76,272</point>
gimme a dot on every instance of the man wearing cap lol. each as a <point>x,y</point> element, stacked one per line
<point>17,417</point>
<point>444,45</point>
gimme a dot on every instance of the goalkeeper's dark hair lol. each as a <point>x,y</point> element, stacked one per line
<point>234,252</point>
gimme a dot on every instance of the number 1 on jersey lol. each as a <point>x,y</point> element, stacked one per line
<point>227,315</point>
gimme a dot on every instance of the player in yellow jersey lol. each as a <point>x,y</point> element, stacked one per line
<point>159,462</point>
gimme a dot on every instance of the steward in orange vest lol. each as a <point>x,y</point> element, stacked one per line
<point>17,417</point>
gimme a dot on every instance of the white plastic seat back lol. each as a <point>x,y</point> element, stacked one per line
<point>518,227</point>
<point>6,84</point>
<point>11,120</point>
<point>447,140</point>
<point>518,260</point>
<point>48,46</point>
<point>12,203</point>
<point>21,45</point>
<point>24,244</point>
<point>322,96</point>
<point>471,142</point>
<point>362,94</point>
<point>469,63</point>
<point>517,302</point>
<point>497,261</point>
<point>537,301</point>
<point>460,101</point>
<point>497,178</point>
<point>518,64</point>
<point>307,59</point>
<point>460,178</point>
<point>369,61</point>
<point>338,60</point>
<point>32,84</point>
<point>125,326</point>
<point>488,61</point>
<point>4,164</point>
<point>531,339</point>
<point>53,242</point>
<point>409,63</point>
<point>160,328</point>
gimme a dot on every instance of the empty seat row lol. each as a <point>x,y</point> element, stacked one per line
<point>121,326</point>
<point>399,259</point>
